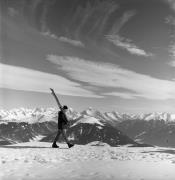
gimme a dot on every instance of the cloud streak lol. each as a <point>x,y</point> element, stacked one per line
<point>71,41</point>
<point>123,95</point>
<point>64,39</point>
<point>19,78</point>
<point>111,75</point>
<point>127,45</point>
<point>117,26</point>
<point>49,34</point>
<point>170,20</point>
<point>171,49</point>
<point>171,3</point>
<point>121,42</point>
<point>172,63</point>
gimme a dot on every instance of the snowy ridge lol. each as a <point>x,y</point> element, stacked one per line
<point>37,115</point>
<point>119,117</point>
<point>50,114</point>
<point>28,115</point>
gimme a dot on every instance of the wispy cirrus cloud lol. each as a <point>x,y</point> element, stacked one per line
<point>171,3</point>
<point>171,63</point>
<point>19,78</point>
<point>71,41</point>
<point>127,16</point>
<point>111,75</point>
<point>171,48</point>
<point>124,95</point>
<point>121,42</point>
<point>117,26</point>
<point>170,20</point>
<point>49,34</point>
<point>12,12</point>
<point>127,44</point>
<point>64,39</point>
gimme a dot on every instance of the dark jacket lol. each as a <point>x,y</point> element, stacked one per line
<point>62,119</point>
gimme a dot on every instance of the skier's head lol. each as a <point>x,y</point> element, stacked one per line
<point>65,108</point>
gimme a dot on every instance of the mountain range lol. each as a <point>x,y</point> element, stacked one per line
<point>114,128</point>
<point>50,114</point>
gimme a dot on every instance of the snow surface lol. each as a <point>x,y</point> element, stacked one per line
<point>36,160</point>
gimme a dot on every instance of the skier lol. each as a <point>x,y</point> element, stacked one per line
<point>62,122</point>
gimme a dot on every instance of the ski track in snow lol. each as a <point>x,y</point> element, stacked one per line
<point>37,160</point>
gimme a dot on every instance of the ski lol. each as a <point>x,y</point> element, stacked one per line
<point>56,98</point>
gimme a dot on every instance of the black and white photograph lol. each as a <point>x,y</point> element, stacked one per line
<point>87,89</point>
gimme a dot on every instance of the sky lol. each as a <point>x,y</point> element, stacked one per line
<point>112,55</point>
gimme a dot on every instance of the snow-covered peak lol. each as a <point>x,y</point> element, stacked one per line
<point>89,120</point>
<point>89,111</point>
<point>147,116</point>
<point>159,116</point>
<point>119,117</point>
<point>72,114</point>
<point>28,115</point>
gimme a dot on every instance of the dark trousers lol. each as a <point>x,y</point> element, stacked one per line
<point>61,131</point>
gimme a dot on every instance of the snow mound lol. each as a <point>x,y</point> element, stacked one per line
<point>98,143</point>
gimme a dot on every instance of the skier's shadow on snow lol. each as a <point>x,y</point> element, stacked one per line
<point>30,147</point>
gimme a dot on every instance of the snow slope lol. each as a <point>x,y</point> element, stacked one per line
<point>36,160</point>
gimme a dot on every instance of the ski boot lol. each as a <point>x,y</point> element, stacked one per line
<point>54,145</point>
<point>70,145</point>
